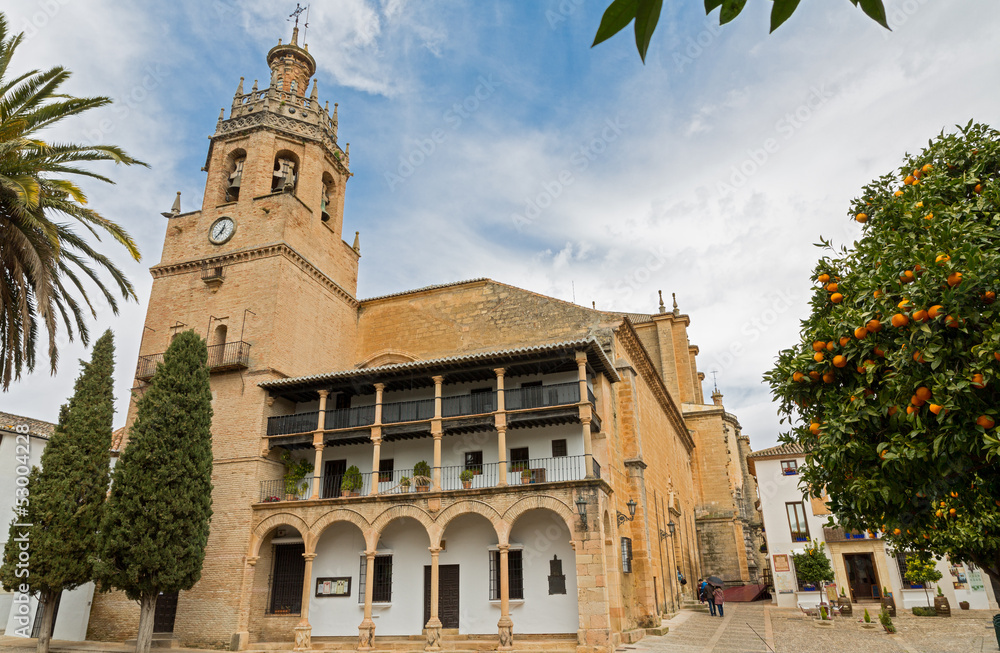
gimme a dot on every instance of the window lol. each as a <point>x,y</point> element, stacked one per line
<point>474,461</point>
<point>382,587</point>
<point>627,555</point>
<point>385,470</point>
<point>558,448</point>
<point>901,559</point>
<point>797,521</point>
<point>293,86</point>
<point>287,577</point>
<point>789,467</point>
<point>515,575</point>
<point>519,459</point>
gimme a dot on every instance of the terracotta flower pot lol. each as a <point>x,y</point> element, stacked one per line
<point>466,485</point>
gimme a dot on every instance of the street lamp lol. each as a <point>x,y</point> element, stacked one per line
<point>668,533</point>
<point>581,507</point>
<point>622,517</point>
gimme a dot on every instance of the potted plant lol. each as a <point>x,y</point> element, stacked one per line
<point>844,603</point>
<point>920,568</point>
<point>886,619</point>
<point>888,603</point>
<point>404,483</point>
<point>525,476</point>
<point>295,475</point>
<point>964,605</point>
<point>867,623</point>
<point>422,476</point>
<point>813,567</point>
<point>353,481</point>
<point>941,605</point>
<point>825,620</point>
<point>466,478</point>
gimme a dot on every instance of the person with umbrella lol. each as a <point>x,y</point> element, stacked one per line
<point>719,598</point>
<point>712,589</point>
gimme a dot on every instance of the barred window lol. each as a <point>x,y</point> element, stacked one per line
<point>515,575</point>
<point>382,577</point>
<point>558,448</point>
<point>287,577</point>
<point>627,555</point>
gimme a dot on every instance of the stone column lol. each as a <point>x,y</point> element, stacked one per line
<point>303,631</point>
<point>376,458</point>
<point>366,631</point>
<point>505,625</point>
<point>437,431</point>
<point>433,627</point>
<point>318,444</point>
<point>241,639</point>
<point>501,427</point>
<point>585,413</point>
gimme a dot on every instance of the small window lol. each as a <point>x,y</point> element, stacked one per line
<point>627,555</point>
<point>382,587</point>
<point>557,580</point>
<point>519,459</point>
<point>797,521</point>
<point>474,461</point>
<point>558,448</point>
<point>789,467</point>
<point>515,575</point>
<point>385,468</point>
<point>294,85</point>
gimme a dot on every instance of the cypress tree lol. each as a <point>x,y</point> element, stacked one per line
<point>157,517</point>
<point>66,496</point>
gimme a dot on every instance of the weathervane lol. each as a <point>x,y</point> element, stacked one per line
<point>715,380</point>
<point>295,14</point>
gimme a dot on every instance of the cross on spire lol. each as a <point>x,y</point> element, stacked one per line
<point>299,9</point>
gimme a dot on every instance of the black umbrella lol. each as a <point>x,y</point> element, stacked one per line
<point>715,580</point>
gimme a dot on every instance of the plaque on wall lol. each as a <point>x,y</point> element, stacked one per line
<point>337,586</point>
<point>781,562</point>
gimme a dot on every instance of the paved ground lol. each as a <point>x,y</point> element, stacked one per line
<point>753,627</point>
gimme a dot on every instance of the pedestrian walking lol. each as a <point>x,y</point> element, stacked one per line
<point>710,598</point>
<point>719,598</point>
<point>701,590</point>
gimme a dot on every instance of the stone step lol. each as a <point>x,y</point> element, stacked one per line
<point>659,631</point>
<point>160,640</point>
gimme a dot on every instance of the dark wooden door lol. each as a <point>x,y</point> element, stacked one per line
<point>447,595</point>
<point>166,610</point>
<point>861,575</point>
<point>333,475</point>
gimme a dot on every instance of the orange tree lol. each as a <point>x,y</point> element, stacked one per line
<point>894,389</point>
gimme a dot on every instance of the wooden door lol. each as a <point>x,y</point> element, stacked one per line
<point>333,475</point>
<point>166,610</point>
<point>447,595</point>
<point>861,575</point>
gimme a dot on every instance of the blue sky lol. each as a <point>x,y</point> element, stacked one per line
<point>488,139</point>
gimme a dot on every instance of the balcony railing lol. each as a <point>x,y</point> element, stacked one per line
<point>540,470</point>
<point>542,396</point>
<point>476,403</point>
<point>227,356</point>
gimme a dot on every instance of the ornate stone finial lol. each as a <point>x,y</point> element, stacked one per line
<point>175,210</point>
<point>663,308</point>
<point>222,114</point>
<point>677,311</point>
<point>239,89</point>
<point>254,89</point>
<point>315,94</point>
<point>295,36</point>
<point>326,107</point>
<point>593,305</point>
<point>357,242</point>
<point>279,41</point>
<point>336,105</point>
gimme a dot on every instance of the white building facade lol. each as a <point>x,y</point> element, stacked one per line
<point>863,565</point>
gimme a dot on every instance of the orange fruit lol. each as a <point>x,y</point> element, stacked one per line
<point>977,381</point>
<point>899,320</point>
<point>898,193</point>
<point>921,316</point>
<point>918,357</point>
<point>989,297</point>
<point>838,361</point>
<point>938,513</point>
<point>893,410</point>
<point>814,428</point>
<point>823,278</point>
<point>830,346</point>
<point>797,376</point>
<point>896,531</point>
<point>953,321</point>
<point>879,352</point>
<point>903,304</point>
<point>818,357</point>
<point>954,495</point>
<point>927,167</point>
<point>923,393</point>
<point>952,512</point>
<point>911,409</point>
<point>860,333</point>
<point>873,326</point>
<point>909,180</point>
<point>861,217</point>
<point>978,189</point>
<point>832,287</point>
<point>829,377</point>
<point>934,311</point>
<point>907,277</point>
<point>929,216</point>
<point>942,259</point>
<point>844,340</point>
<point>985,421</point>
<point>935,408</point>
<point>877,294</point>
<point>814,375</point>
<point>836,298</point>
<point>819,345</point>
<point>954,279</point>
<point>996,355</point>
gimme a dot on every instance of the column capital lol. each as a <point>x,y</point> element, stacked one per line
<point>438,380</point>
<point>581,357</point>
<point>371,554</point>
<point>435,550</point>
<point>585,421</point>
<point>309,556</point>
<point>318,443</point>
<point>499,371</point>
<point>252,560</point>
<point>379,387</point>
<point>324,393</point>
<point>503,547</point>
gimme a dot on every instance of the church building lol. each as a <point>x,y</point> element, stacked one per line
<point>469,465</point>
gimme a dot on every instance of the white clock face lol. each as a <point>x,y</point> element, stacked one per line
<point>221,230</point>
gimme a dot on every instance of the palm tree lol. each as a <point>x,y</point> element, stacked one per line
<point>44,263</point>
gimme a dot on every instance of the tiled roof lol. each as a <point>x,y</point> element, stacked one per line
<point>117,436</point>
<point>793,449</point>
<point>589,343</point>
<point>425,288</point>
<point>36,427</point>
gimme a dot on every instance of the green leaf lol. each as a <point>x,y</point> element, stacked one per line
<point>710,5</point>
<point>646,17</point>
<point>730,10</point>
<point>616,17</point>
<point>876,11</point>
<point>781,11</point>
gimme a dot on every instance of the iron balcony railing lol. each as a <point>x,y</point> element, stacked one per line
<point>476,403</point>
<point>402,481</point>
<point>227,356</point>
